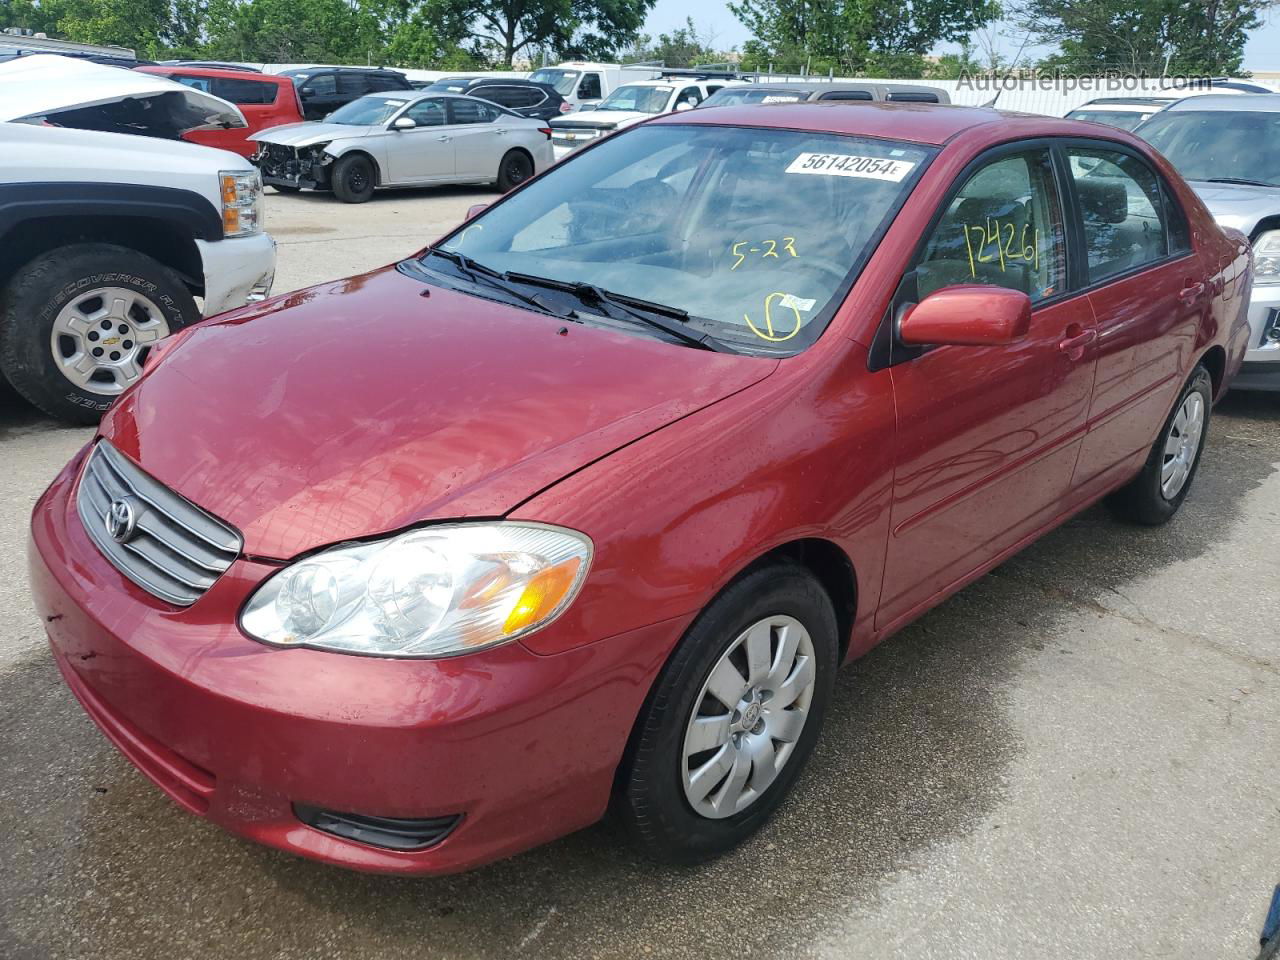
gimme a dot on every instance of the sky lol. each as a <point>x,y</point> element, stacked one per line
<point>713,16</point>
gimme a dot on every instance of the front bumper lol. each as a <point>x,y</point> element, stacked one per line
<point>237,270</point>
<point>1261,369</point>
<point>283,166</point>
<point>566,141</point>
<point>521,748</point>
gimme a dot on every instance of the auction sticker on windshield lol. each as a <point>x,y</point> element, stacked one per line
<point>848,165</point>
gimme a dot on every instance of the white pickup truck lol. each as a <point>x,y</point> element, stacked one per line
<point>110,241</point>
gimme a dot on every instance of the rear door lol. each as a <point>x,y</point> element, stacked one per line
<point>988,436</point>
<point>424,152</point>
<point>1145,286</point>
<point>477,140</point>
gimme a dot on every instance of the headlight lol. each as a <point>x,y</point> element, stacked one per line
<point>433,592</point>
<point>241,202</point>
<point>1266,258</point>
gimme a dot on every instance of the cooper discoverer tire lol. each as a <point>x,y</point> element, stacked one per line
<point>1155,494</point>
<point>684,793</point>
<point>76,324</point>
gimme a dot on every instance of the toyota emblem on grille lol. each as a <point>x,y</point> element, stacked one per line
<point>121,519</point>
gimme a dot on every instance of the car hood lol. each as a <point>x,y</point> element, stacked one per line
<point>601,118</point>
<point>1238,205</point>
<point>308,134</point>
<point>91,96</point>
<point>366,405</point>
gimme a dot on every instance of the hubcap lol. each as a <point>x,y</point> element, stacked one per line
<point>101,337</point>
<point>1182,445</point>
<point>748,717</point>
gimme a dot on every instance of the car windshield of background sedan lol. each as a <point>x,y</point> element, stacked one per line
<point>1219,145</point>
<point>637,99</point>
<point>735,96</point>
<point>755,233</point>
<point>1123,120</point>
<point>367,111</point>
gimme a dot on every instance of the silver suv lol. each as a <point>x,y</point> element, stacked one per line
<point>1228,148</point>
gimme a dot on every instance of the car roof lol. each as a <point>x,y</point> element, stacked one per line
<point>1254,102</point>
<point>926,123</point>
<point>221,72</point>
<point>1126,102</point>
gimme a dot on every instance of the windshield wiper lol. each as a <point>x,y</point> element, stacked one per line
<point>479,273</point>
<point>1242,181</point>
<point>618,306</point>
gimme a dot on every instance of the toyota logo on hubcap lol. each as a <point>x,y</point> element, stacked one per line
<point>121,520</point>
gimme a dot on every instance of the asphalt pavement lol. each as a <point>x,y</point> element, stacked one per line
<point>1076,757</point>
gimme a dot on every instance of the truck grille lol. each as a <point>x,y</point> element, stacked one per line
<point>159,540</point>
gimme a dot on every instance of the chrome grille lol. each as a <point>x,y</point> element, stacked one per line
<point>161,541</point>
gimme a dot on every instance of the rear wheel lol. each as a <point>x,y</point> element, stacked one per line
<point>76,325</point>
<point>1155,495</point>
<point>515,169</point>
<point>353,179</point>
<point>732,718</point>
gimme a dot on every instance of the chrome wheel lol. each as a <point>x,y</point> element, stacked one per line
<point>1182,445</point>
<point>748,716</point>
<point>100,338</point>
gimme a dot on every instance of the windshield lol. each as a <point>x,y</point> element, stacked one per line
<point>733,96</point>
<point>1218,144</point>
<point>367,111</point>
<point>1125,120</point>
<point>756,233</point>
<point>637,99</point>
<point>562,80</point>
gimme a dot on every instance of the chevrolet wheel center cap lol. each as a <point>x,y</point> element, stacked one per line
<point>121,519</point>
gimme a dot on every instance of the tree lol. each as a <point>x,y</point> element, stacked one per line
<point>583,28</point>
<point>682,47</point>
<point>1195,37</point>
<point>856,35</point>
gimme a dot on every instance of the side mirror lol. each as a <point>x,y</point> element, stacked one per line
<point>403,123</point>
<point>476,209</point>
<point>682,107</point>
<point>969,316</point>
<point>306,93</point>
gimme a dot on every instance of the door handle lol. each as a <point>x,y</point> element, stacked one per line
<point>443,139</point>
<point>1191,292</point>
<point>1074,343</point>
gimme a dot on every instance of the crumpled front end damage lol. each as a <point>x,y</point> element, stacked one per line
<point>297,167</point>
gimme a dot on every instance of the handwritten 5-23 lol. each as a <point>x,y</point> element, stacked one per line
<point>763,248</point>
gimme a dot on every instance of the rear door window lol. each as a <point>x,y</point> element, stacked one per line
<point>470,111</point>
<point>1121,211</point>
<point>245,92</point>
<point>353,84</point>
<point>1004,227</point>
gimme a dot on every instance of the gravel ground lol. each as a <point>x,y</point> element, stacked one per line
<point>1075,757</point>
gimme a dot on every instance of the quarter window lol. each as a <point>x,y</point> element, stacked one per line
<point>1004,227</point>
<point>1121,210</point>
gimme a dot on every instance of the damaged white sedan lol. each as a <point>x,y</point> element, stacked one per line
<point>404,140</point>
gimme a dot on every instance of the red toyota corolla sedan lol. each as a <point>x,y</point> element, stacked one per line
<point>585,504</point>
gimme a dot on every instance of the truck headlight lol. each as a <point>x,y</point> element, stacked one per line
<point>433,592</point>
<point>241,202</point>
<point>1266,258</point>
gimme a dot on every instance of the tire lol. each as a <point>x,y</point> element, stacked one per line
<point>654,783</point>
<point>144,302</point>
<point>1151,498</point>
<point>515,169</point>
<point>353,178</point>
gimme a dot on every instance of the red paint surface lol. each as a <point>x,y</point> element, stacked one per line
<point>360,407</point>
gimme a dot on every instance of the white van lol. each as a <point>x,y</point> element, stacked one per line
<point>583,85</point>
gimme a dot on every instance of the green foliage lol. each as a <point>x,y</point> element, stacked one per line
<point>682,47</point>
<point>855,36</point>
<point>1196,37</point>
<point>590,29</point>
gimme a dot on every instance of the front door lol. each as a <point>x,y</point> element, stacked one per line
<point>987,436</point>
<point>425,151</point>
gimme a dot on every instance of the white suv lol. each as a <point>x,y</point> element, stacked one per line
<point>109,239</point>
<point>627,105</point>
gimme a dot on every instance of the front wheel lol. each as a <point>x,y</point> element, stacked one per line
<point>353,179</point>
<point>732,718</point>
<point>515,169</point>
<point>76,325</point>
<point>1155,495</point>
